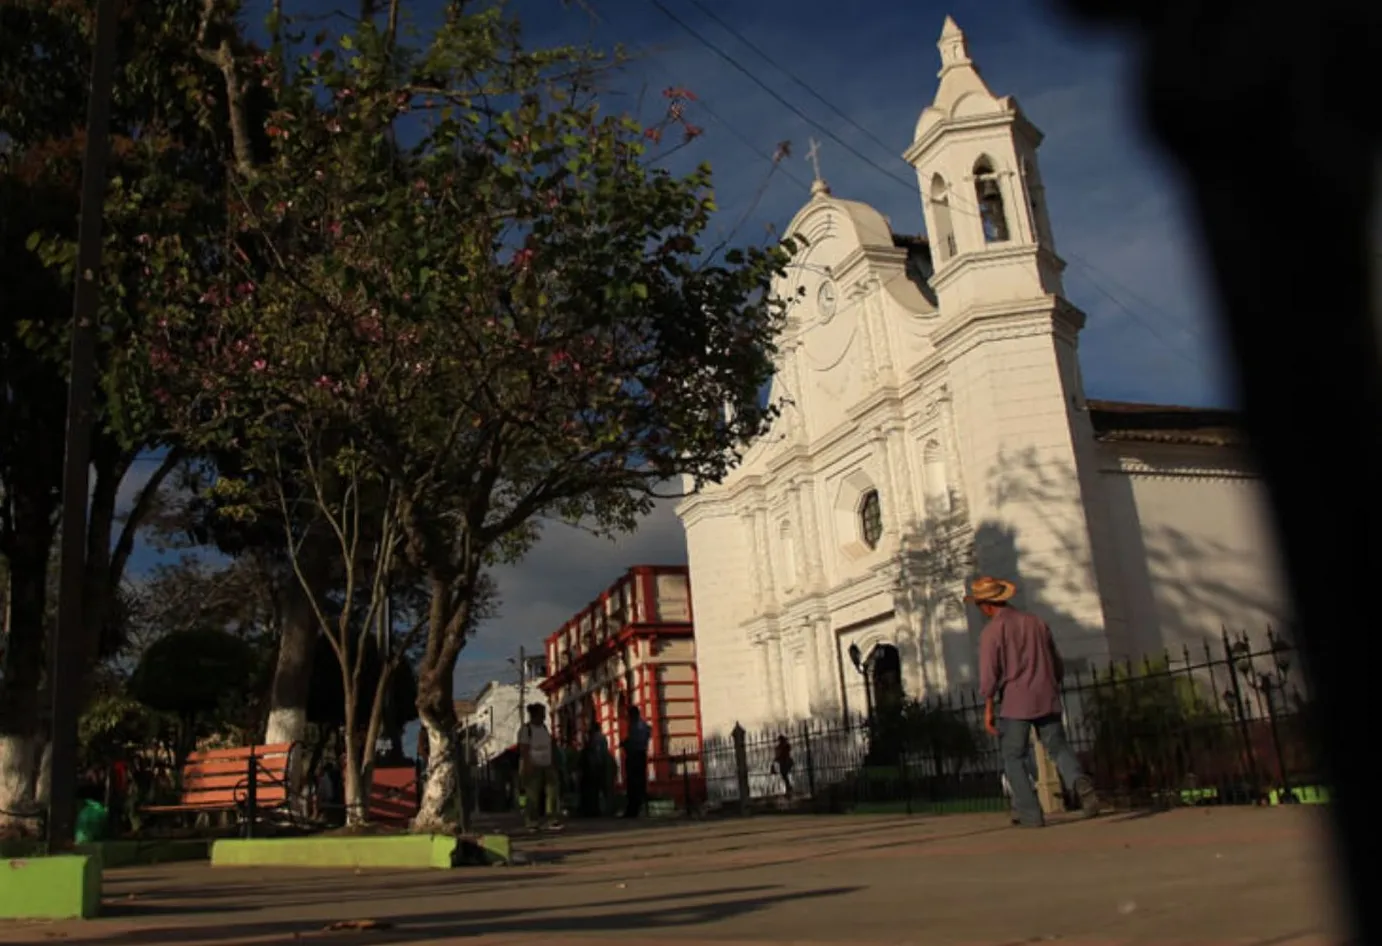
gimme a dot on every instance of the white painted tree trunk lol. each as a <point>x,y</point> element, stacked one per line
<point>439,787</point>
<point>19,796</point>
<point>291,684</point>
<point>286,724</point>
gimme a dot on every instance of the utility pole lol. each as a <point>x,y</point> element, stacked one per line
<point>522,685</point>
<point>68,649</point>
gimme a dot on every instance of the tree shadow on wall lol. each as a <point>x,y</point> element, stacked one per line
<point>1168,586</point>
<point>1171,589</point>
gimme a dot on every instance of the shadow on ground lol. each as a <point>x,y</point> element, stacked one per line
<point>650,914</point>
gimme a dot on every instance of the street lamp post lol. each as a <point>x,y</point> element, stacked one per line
<point>856,657</point>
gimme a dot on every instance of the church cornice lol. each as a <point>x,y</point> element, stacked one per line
<point>958,129</point>
<point>863,257</point>
<point>993,255</point>
<point>1178,469</point>
<point>1048,315</point>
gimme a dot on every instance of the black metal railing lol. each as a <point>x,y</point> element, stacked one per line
<point>1226,723</point>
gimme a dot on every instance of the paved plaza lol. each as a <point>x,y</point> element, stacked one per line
<point>1220,877</point>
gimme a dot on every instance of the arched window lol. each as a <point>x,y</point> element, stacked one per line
<point>944,237</point>
<point>990,195</point>
<point>871,518</point>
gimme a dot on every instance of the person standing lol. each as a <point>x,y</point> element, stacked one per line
<point>636,763</point>
<point>1020,675</point>
<point>537,770</point>
<point>594,766</point>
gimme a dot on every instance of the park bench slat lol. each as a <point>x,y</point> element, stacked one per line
<point>218,780</point>
<point>244,752</point>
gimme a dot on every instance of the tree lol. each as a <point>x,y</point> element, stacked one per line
<point>199,675</point>
<point>163,179</point>
<point>427,349</point>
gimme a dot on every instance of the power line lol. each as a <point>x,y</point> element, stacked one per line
<point>738,67</point>
<point>806,86</point>
<point>910,185</point>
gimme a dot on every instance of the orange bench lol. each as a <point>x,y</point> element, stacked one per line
<point>249,781</point>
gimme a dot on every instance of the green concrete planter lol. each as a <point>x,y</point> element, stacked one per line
<point>130,853</point>
<point>50,888</point>
<point>144,853</point>
<point>421,851</point>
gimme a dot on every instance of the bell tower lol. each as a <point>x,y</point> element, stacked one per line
<point>976,160</point>
<point>1008,341</point>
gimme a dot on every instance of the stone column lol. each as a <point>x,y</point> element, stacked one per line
<point>765,674</point>
<point>811,537</point>
<point>749,523</point>
<point>765,558</point>
<point>798,412</point>
<point>859,297</point>
<point>892,500</point>
<point>829,679</point>
<point>896,434</point>
<point>769,645</point>
<point>873,302</point>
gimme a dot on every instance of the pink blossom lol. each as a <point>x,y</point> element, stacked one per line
<point>260,364</point>
<point>324,382</point>
<point>143,239</point>
<point>523,258</point>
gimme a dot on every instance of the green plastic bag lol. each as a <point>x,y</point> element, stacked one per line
<point>92,821</point>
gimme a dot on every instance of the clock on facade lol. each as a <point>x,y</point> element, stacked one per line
<point>825,299</point>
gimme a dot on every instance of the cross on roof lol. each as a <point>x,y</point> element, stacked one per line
<point>813,155</point>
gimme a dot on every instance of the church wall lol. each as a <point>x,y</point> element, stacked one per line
<point>720,556</point>
<point>1021,483</point>
<point>1195,545</point>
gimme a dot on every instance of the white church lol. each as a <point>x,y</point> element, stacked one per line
<point>937,428</point>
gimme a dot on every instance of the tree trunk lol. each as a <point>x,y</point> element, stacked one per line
<point>356,771</point>
<point>21,753</point>
<point>440,785</point>
<point>21,717</point>
<point>293,671</point>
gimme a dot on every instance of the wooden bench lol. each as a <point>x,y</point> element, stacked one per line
<point>249,781</point>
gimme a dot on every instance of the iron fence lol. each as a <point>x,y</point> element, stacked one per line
<point>1225,725</point>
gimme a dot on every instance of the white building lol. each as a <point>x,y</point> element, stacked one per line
<point>937,428</point>
<point>493,724</point>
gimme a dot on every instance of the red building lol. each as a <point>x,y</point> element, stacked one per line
<point>634,645</point>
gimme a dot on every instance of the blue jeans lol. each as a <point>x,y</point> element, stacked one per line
<point>1013,739</point>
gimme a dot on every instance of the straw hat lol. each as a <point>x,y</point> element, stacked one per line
<point>988,589</point>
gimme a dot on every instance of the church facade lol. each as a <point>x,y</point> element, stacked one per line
<point>935,428</point>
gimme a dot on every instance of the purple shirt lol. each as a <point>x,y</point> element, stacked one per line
<point>1020,666</point>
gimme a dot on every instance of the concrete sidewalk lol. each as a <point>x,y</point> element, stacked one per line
<point>1208,876</point>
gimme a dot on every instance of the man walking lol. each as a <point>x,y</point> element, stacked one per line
<point>537,770</point>
<point>1021,670</point>
<point>636,764</point>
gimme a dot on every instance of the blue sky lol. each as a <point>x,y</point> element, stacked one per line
<point>1118,210</point>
